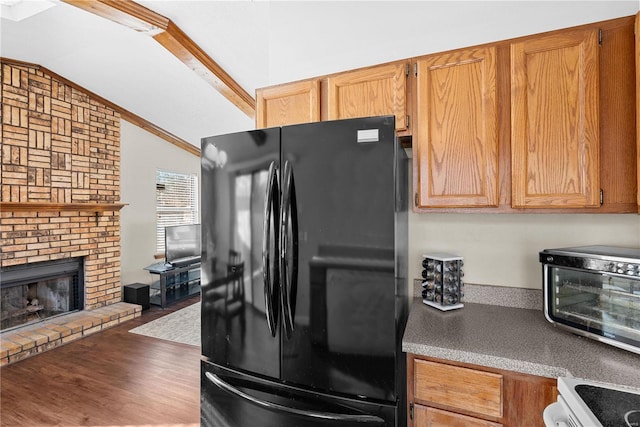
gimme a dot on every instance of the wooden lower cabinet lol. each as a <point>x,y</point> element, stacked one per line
<point>442,393</point>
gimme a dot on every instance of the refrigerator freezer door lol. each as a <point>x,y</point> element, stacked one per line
<point>344,334</point>
<point>240,299</point>
<point>234,399</point>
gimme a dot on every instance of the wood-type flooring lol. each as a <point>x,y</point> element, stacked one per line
<point>112,378</point>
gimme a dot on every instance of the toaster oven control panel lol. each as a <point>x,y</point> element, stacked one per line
<point>592,264</point>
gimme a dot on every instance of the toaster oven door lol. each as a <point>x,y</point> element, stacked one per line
<point>600,305</point>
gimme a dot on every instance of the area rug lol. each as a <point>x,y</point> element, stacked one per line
<point>181,326</point>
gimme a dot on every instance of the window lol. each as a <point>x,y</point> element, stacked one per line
<point>176,202</point>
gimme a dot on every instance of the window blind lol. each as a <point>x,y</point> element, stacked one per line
<point>176,202</point>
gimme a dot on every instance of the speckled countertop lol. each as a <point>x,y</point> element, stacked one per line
<point>515,339</point>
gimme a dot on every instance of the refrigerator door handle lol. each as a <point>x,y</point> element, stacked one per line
<point>270,283</point>
<point>223,385</point>
<point>288,272</point>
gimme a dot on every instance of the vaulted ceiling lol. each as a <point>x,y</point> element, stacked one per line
<point>257,43</point>
<point>132,70</point>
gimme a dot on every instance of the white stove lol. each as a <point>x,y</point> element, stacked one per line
<point>584,403</point>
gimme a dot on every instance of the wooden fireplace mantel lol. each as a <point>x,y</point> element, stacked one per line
<point>98,208</point>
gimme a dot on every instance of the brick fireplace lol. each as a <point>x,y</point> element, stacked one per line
<point>60,179</point>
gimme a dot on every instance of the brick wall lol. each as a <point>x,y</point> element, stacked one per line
<point>60,149</point>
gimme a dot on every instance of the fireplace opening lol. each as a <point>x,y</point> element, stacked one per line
<point>34,292</point>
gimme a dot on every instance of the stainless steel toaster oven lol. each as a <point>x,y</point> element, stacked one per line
<point>594,291</point>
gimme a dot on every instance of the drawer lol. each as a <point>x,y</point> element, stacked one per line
<point>431,417</point>
<point>456,387</point>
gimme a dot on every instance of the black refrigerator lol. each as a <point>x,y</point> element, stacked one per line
<point>304,288</point>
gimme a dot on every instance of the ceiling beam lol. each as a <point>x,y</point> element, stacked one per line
<point>172,38</point>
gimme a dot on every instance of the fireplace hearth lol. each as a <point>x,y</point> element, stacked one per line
<point>34,292</point>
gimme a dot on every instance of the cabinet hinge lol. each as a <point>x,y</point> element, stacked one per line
<point>415,199</point>
<point>415,69</point>
<point>600,37</point>
<point>601,197</point>
<point>411,410</point>
<point>406,69</point>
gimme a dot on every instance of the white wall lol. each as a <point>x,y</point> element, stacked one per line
<point>498,249</point>
<point>502,249</point>
<point>141,154</point>
<point>349,34</point>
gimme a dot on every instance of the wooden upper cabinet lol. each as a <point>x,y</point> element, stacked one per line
<point>555,121</point>
<point>544,123</point>
<point>374,91</point>
<point>455,146</point>
<point>288,104</point>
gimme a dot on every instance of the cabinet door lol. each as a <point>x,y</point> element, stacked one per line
<point>425,416</point>
<point>375,91</point>
<point>456,149</point>
<point>288,104</point>
<point>554,121</point>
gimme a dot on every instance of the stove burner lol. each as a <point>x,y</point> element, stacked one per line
<point>613,408</point>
